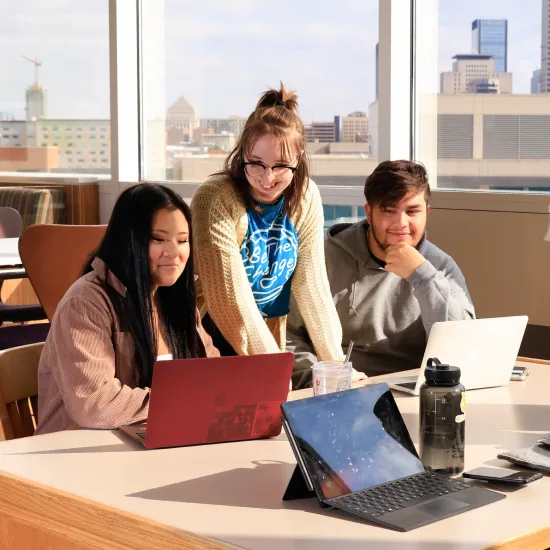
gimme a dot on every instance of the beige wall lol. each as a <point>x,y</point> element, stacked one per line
<point>493,104</point>
<point>509,168</point>
<point>504,257</point>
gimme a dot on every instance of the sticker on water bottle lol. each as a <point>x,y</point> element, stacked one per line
<point>461,417</point>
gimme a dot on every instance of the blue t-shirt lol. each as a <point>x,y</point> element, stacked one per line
<point>269,252</point>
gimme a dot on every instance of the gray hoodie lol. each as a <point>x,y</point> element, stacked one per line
<point>388,318</point>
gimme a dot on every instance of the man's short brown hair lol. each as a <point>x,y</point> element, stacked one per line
<point>392,180</point>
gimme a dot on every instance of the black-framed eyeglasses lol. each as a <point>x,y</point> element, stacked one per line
<point>257,169</point>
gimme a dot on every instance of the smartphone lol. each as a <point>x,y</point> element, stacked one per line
<point>502,475</point>
<point>519,373</point>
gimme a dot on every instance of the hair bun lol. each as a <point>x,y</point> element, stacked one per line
<point>279,98</point>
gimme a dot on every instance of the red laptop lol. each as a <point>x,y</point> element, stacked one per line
<point>215,400</point>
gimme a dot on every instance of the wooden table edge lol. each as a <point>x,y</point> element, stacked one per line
<point>33,515</point>
<point>535,540</point>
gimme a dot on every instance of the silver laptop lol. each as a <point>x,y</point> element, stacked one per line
<point>484,349</point>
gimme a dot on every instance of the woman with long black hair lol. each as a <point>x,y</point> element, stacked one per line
<point>135,304</point>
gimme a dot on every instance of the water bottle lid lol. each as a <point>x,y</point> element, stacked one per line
<point>440,373</point>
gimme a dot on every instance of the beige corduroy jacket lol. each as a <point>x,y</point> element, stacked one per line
<point>87,376</point>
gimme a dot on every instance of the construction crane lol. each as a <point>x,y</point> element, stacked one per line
<point>36,64</point>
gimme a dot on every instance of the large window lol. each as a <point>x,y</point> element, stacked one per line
<point>218,58</point>
<point>55,66</point>
<point>493,115</point>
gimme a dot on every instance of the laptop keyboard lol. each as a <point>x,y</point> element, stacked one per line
<point>141,435</point>
<point>399,494</point>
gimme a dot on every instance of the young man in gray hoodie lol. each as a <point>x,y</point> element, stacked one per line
<point>389,283</point>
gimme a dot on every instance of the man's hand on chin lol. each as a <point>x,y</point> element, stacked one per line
<point>403,260</point>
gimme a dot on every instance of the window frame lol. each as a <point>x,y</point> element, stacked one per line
<point>407,76</point>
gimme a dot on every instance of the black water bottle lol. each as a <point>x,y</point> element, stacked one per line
<point>442,418</point>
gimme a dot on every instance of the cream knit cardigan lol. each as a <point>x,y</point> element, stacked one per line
<point>220,223</point>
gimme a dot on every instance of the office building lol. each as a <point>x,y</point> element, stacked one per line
<point>323,132</point>
<point>223,141</point>
<point>232,124</point>
<point>66,145</point>
<point>337,129</point>
<point>83,144</point>
<point>490,37</point>
<point>510,127</point>
<point>484,141</point>
<point>56,145</point>
<point>535,82</point>
<point>475,73</point>
<point>18,133</point>
<point>36,101</point>
<point>545,48</point>
<point>181,120</point>
<point>355,128</point>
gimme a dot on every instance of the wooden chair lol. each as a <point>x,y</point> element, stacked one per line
<point>54,256</point>
<point>19,391</point>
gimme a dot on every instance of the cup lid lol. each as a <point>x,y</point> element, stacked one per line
<point>331,366</point>
<point>437,372</point>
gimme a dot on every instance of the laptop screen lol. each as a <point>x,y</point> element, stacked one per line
<point>352,440</point>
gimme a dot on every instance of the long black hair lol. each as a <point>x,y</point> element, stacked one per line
<point>125,250</point>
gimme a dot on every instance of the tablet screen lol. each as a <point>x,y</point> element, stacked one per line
<point>352,440</point>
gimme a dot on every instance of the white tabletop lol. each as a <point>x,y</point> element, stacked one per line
<point>232,492</point>
<point>9,252</point>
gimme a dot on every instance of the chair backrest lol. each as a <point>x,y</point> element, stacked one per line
<point>44,204</point>
<point>11,222</point>
<point>19,391</point>
<point>54,255</point>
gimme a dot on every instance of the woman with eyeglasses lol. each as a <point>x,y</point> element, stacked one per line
<point>258,228</point>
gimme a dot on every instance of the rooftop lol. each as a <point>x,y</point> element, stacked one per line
<point>472,56</point>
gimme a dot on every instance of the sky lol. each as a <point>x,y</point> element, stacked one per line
<point>221,54</point>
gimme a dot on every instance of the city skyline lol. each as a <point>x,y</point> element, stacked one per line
<point>237,61</point>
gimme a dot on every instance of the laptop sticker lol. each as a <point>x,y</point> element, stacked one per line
<point>231,424</point>
<point>268,419</point>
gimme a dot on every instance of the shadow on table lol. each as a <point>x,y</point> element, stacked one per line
<point>260,486</point>
<point>116,448</point>
<point>126,445</point>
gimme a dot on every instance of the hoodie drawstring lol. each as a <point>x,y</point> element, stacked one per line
<point>356,274</point>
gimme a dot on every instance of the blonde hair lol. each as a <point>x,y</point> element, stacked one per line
<point>275,114</point>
